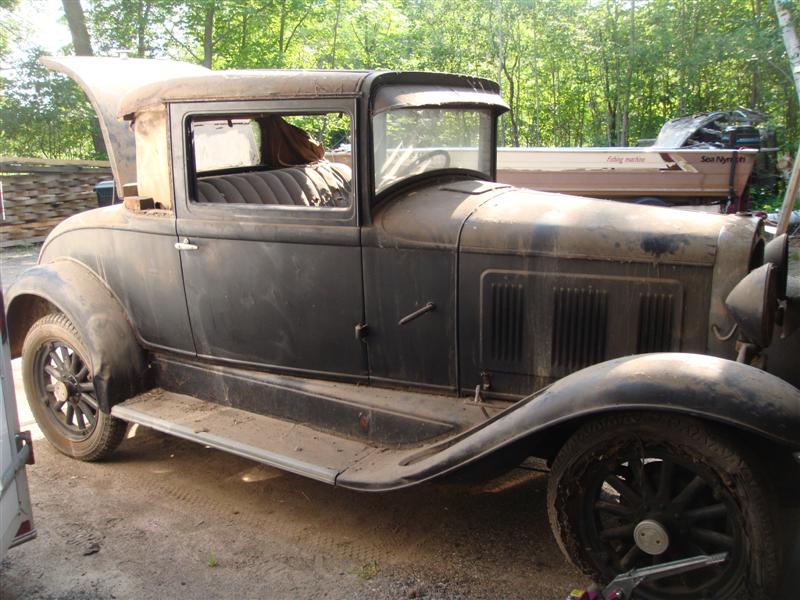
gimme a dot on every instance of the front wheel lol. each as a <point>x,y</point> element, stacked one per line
<point>635,490</point>
<point>58,379</point>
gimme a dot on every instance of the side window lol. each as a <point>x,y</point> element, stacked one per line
<point>289,160</point>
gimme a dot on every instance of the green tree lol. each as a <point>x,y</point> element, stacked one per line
<point>45,114</point>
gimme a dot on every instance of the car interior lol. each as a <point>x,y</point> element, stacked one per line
<point>268,160</point>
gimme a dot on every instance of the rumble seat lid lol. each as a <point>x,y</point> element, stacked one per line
<point>105,81</point>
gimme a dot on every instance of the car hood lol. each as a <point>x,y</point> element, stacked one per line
<point>484,217</point>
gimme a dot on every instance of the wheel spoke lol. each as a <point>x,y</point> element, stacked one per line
<point>616,533</point>
<point>69,415</point>
<point>59,405</point>
<point>714,538</point>
<point>72,361</point>
<point>84,371</point>
<point>58,361</point>
<point>665,480</point>
<point>630,557</point>
<point>49,387</point>
<point>90,401</point>
<point>87,412</point>
<point>53,372</point>
<point>625,491</point>
<point>681,500</point>
<point>636,466</point>
<point>87,386</point>
<point>79,417</point>
<point>615,508</point>
<point>707,512</point>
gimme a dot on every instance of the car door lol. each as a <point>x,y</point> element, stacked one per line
<point>270,254</point>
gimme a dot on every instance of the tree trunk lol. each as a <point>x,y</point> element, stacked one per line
<point>513,102</point>
<point>500,61</point>
<point>537,139</point>
<point>83,47</point>
<point>142,17</point>
<point>281,31</point>
<point>623,132</point>
<point>335,33</point>
<point>792,44</point>
<point>790,40</point>
<point>208,36</point>
<point>77,27</point>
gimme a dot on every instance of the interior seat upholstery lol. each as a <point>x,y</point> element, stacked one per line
<point>322,184</point>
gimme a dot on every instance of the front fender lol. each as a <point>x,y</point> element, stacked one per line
<point>705,387</point>
<point>118,362</point>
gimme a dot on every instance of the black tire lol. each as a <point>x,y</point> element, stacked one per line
<point>652,459</point>
<point>651,201</point>
<point>57,374</point>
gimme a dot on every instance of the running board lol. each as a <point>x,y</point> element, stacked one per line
<point>322,455</point>
<point>376,416</point>
<point>289,446</point>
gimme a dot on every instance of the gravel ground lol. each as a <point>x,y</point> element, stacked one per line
<point>168,518</point>
<point>14,260</point>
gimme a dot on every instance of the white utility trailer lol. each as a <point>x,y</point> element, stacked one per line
<point>16,451</point>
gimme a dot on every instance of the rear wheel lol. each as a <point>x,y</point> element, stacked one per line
<point>59,385</point>
<point>651,201</point>
<point>636,490</point>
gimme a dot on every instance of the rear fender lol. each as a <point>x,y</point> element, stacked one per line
<point>705,387</point>
<point>118,361</point>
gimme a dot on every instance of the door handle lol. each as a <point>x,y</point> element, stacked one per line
<point>417,313</point>
<point>185,245</point>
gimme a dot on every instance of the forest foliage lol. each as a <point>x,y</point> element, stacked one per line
<point>575,72</point>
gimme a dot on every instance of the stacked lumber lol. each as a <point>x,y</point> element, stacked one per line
<point>35,202</point>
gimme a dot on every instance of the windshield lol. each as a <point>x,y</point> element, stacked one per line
<point>412,141</point>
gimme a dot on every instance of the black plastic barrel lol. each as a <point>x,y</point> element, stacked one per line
<point>106,194</point>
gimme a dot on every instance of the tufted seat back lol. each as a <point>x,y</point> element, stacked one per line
<point>322,184</point>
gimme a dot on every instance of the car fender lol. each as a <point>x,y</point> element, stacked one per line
<point>118,361</point>
<point>705,387</point>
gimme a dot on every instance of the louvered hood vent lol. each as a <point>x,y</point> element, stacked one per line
<point>541,326</point>
<point>655,323</point>
<point>580,325</point>
<point>508,322</point>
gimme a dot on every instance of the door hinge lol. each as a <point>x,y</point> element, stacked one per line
<point>486,381</point>
<point>362,329</point>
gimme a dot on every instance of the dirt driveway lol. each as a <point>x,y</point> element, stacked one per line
<point>168,518</point>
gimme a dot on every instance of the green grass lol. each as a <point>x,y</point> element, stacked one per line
<point>366,571</point>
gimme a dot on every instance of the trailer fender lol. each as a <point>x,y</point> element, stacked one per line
<point>705,387</point>
<point>118,361</point>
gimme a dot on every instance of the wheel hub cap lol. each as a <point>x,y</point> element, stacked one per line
<point>651,537</point>
<point>61,391</point>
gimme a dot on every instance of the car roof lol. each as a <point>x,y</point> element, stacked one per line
<point>120,87</point>
<point>244,85</point>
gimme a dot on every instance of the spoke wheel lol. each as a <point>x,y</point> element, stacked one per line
<point>632,491</point>
<point>59,385</point>
<point>646,506</point>
<point>63,383</point>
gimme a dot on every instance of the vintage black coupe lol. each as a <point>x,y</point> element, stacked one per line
<point>317,270</point>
